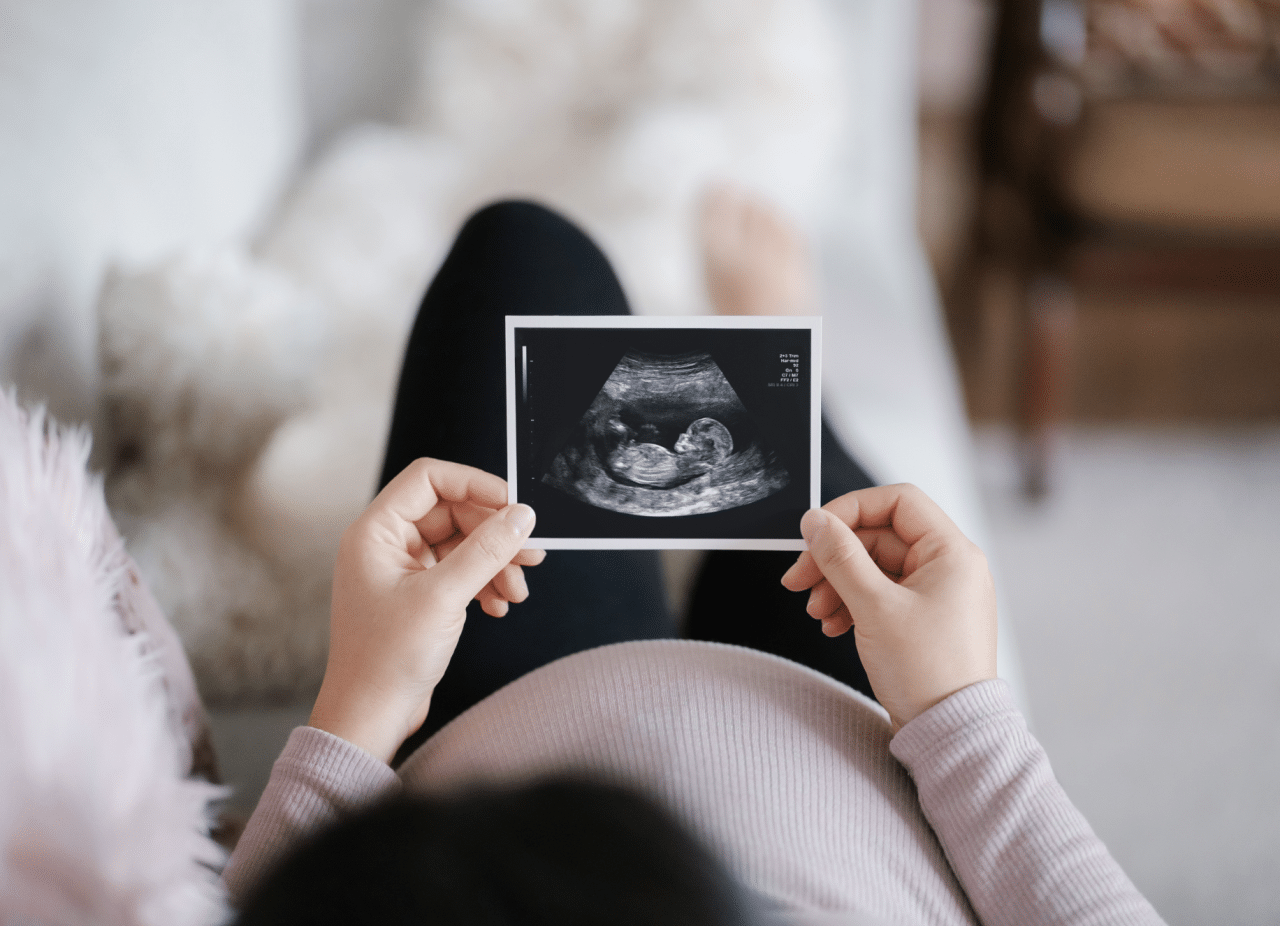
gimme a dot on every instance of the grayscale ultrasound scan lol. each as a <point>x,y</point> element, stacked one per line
<point>631,432</point>
<point>658,442</point>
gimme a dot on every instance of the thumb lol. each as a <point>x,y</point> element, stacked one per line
<point>472,564</point>
<point>841,557</point>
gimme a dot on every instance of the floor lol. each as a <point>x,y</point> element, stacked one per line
<point>1148,604</point>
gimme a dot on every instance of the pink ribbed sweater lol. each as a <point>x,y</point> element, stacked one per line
<point>792,778</point>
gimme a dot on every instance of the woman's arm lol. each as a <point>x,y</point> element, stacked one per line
<point>436,537</point>
<point>317,779</point>
<point>919,597</point>
<point>1022,851</point>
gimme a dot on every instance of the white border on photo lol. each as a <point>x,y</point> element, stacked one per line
<point>724,322</point>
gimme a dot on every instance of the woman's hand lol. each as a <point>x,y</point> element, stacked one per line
<point>890,564</point>
<point>436,537</point>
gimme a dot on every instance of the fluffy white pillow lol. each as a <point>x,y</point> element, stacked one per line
<point>98,823</point>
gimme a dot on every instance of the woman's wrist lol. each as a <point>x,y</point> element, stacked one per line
<point>366,722</point>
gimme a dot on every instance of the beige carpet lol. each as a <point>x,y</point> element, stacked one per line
<point>1146,591</point>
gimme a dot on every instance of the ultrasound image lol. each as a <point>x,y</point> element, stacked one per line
<point>667,436</point>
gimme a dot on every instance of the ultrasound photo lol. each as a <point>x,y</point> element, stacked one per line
<point>658,442</point>
<point>631,432</point>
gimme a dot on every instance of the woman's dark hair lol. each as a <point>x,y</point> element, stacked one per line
<point>560,852</point>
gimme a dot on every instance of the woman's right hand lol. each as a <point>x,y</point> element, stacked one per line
<point>889,563</point>
<point>437,536</point>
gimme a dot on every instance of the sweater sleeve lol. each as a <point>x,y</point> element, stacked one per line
<point>1020,849</point>
<point>317,779</point>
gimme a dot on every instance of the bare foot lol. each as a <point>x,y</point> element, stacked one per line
<point>755,262</point>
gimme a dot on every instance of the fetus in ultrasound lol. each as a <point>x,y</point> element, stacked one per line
<point>667,436</point>
<point>704,445</point>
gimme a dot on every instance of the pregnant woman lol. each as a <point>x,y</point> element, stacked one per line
<point>830,727</point>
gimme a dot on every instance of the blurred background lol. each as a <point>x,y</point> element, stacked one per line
<point>1047,237</point>
<point>1100,198</point>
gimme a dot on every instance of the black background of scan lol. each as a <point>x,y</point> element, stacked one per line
<point>569,366</point>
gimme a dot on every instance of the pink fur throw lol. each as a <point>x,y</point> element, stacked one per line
<point>99,822</point>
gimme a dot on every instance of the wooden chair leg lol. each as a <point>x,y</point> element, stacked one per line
<point>963,299</point>
<point>1048,337</point>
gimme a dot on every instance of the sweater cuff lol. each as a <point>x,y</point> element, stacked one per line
<point>345,774</point>
<point>960,715</point>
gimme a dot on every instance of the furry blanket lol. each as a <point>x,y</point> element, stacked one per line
<point>249,390</point>
<point>98,821</point>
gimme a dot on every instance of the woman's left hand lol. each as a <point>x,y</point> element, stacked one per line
<point>439,535</point>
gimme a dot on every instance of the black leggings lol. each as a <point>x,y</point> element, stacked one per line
<point>517,258</point>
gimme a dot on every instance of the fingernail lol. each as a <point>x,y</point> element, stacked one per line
<point>811,525</point>
<point>520,517</point>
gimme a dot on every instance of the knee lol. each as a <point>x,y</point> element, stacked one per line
<point>530,260</point>
<point>516,221</point>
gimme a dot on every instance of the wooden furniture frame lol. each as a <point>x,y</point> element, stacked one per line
<point>1039,218</point>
